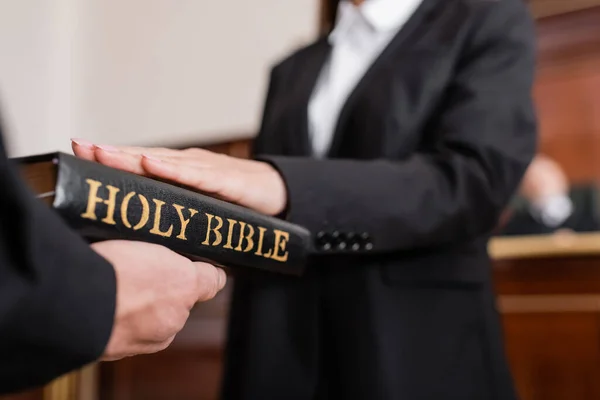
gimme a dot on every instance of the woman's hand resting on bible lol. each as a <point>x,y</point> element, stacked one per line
<point>253,184</point>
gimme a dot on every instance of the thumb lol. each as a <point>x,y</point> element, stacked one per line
<point>221,278</point>
<point>210,281</point>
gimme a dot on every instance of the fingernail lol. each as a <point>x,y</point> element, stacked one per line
<point>151,158</point>
<point>222,278</point>
<point>107,148</point>
<point>82,142</point>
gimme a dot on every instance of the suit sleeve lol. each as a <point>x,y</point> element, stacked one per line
<point>57,296</point>
<point>485,138</point>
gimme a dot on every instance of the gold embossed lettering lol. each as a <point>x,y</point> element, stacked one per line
<point>247,237</point>
<point>157,215</point>
<point>215,230</point>
<point>145,211</point>
<point>261,237</point>
<point>232,223</point>
<point>184,222</point>
<point>281,240</point>
<point>93,200</point>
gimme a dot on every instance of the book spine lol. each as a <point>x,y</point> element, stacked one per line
<point>104,203</point>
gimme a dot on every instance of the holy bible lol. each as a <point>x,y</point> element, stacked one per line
<point>103,203</point>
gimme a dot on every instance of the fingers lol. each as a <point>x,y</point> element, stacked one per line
<point>129,158</point>
<point>222,278</point>
<point>138,151</point>
<point>198,169</point>
<point>203,179</point>
<point>83,149</point>
<point>193,157</point>
<point>108,155</point>
<point>146,348</point>
<point>210,281</point>
<point>114,158</point>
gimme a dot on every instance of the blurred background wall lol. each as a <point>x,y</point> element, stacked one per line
<point>140,71</point>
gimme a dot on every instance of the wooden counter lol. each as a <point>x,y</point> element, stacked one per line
<point>565,245</point>
<point>549,298</point>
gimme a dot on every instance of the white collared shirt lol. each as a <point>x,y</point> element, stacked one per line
<point>361,33</point>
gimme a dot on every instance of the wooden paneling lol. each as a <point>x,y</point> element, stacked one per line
<point>567,92</point>
<point>551,316</point>
<point>182,373</point>
<point>553,275</point>
<point>554,356</point>
<point>236,148</point>
<point>29,395</point>
<point>545,8</point>
<point>328,12</point>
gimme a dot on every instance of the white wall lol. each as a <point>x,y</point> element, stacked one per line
<point>140,71</point>
<point>34,72</point>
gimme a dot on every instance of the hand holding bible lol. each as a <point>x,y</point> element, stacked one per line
<point>156,289</point>
<point>102,202</point>
<point>252,184</point>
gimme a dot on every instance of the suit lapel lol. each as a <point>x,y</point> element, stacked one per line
<point>417,20</point>
<point>310,69</point>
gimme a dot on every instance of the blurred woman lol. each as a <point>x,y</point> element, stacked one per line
<point>397,140</point>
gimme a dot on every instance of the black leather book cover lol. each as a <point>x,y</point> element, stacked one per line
<point>104,203</point>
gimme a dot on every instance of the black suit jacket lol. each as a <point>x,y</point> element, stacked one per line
<point>397,301</point>
<point>57,296</point>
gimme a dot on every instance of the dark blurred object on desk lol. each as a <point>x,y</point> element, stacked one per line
<point>548,203</point>
<point>582,214</point>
